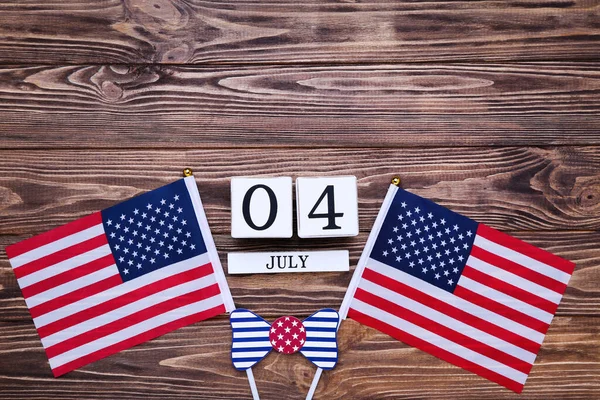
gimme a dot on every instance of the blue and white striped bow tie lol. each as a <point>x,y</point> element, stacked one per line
<point>254,338</point>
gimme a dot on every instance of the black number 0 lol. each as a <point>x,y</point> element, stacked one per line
<point>272,207</point>
<point>331,214</point>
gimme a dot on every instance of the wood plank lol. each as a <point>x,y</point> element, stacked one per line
<point>507,188</point>
<point>193,363</point>
<point>380,105</point>
<point>189,129</point>
<point>277,294</point>
<point>163,31</point>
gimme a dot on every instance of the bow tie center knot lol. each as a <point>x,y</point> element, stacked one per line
<point>287,335</point>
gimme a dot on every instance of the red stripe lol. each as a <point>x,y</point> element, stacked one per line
<point>525,248</point>
<point>153,310</point>
<point>124,299</point>
<point>61,255</point>
<point>443,331</point>
<point>53,235</point>
<point>141,338</point>
<point>510,290</point>
<point>451,311</point>
<point>519,270</point>
<point>76,295</point>
<point>501,309</point>
<point>68,276</point>
<point>434,350</point>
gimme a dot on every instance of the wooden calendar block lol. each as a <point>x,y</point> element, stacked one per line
<point>327,206</point>
<point>261,207</point>
<point>289,261</point>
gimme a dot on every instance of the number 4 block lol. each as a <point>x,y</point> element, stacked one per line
<point>327,206</point>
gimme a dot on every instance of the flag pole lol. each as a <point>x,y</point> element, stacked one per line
<point>252,382</point>
<point>362,262</point>
<point>219,274</point>
<point>359,269</point>
<point>313,385</point>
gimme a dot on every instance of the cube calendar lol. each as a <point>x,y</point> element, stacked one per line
<point>327,206</point>
<point>261,207</point>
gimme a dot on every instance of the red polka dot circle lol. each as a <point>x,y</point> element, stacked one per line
<point>287,335</point>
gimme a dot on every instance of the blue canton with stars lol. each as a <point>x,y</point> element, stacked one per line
<point>153,230</point>
<point>425,240</point>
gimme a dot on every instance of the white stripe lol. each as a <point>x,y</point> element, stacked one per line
<point>324,314</point>
<point>71,286</point>
<point>257,324</point>
<point>121,289</point>
<point>514,280</point>
<point>245,345</point>
<point>315,343</point>
<point>325,364</point>
<point>456,301</point>
<point>522,259</point>
<point>320,354</point>
<point>135,330</point>
<point>244,364</point>
<point>66,265</point>
<point>443,319</point>
<point>439,341</point>
<point>319,324</point>
<point>57,245</point>
<point>255,334</point>
<point>127,310</point>
<point>248,354</point>
<point>315,334</point>
<point>504,299</point>
<point>243,314</point>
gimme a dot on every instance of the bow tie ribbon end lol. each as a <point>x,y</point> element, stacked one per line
<point>254,338</point>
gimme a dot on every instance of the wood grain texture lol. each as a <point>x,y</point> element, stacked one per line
<point>374,106</point>
<point>193,31</point>
<point>491,108</point>
<point>507,188</point>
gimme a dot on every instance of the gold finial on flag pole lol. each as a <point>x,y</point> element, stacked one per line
<point>187,172</point>
<point>396,181</point>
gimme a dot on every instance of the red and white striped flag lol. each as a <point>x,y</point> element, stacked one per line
<point>121,276</point>
<point>457,289</point>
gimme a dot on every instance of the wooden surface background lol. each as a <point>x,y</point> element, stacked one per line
<point>488,107</point>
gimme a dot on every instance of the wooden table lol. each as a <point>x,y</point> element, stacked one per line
<point>488,107</point>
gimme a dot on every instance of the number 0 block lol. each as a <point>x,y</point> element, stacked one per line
<point>261,207</point>
<point>327,206</point>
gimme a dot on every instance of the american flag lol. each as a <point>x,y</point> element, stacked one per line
<point>457,289</point>
<point>121,276</point>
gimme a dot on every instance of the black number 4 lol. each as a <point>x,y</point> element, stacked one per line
<point>331,215</point>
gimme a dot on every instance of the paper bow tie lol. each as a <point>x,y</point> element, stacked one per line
<point>254,338</point>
